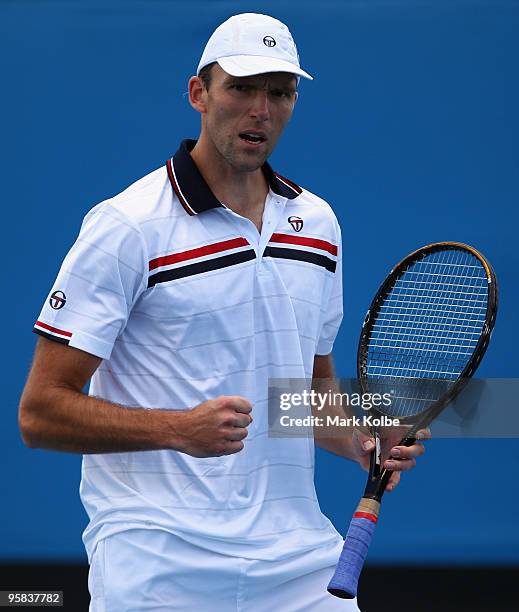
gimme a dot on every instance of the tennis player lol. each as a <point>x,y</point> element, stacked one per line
<point>182,296</point>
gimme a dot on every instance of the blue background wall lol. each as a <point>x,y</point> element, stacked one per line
<point>410,130</point>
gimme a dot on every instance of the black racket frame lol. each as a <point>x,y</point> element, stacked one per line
<point>378,477</point>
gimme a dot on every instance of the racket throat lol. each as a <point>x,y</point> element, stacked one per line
<point>378,477</point>
<point>375,460</point>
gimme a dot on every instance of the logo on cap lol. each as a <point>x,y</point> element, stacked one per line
<point>296,223</point>
<point>268,41</point>
<point>57,300</point>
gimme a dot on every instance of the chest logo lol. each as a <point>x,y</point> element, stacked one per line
<point>57,300</point>
<point>268,41</point>
<point>296,223</point>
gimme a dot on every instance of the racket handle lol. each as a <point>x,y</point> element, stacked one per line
<point>355,550</point>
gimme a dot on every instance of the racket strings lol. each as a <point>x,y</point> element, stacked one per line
<point>427,328</point>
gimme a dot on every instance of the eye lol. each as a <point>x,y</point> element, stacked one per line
<point>241,87</point>
<point>282,93</point>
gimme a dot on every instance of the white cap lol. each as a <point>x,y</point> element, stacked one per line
<point>251,43</point>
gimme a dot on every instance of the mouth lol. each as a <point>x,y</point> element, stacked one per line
<point>253,138</point>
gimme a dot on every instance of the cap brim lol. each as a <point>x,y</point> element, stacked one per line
<point>247,65</point>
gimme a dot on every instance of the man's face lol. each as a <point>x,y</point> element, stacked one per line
<point>245,116</point>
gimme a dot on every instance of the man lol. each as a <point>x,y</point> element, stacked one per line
<point>181,297</point>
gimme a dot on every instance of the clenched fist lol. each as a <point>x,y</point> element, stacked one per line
<point>214,428</point>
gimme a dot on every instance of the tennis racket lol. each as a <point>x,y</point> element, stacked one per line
<point>423,337</point>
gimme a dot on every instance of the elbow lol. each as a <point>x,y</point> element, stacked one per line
<point>28,423</point>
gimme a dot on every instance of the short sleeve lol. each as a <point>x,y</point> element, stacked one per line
<point>100,279</point>
<point>333,309</point>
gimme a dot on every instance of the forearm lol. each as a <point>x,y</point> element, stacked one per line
<point>337,439</point>
<point>67,420</point>
<point>56,414</point>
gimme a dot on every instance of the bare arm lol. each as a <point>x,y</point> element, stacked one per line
<point>55,414</point>
<point>331,439</point>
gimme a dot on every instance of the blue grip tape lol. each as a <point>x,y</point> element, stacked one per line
<point>354,552</point>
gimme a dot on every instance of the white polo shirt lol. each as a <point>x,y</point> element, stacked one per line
<point>184,301</point>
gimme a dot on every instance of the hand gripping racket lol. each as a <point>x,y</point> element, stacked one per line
<point>423,337</point>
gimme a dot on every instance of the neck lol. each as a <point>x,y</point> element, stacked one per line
<point>244,192</point>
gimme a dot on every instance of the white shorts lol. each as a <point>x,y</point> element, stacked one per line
<point>145,570</point>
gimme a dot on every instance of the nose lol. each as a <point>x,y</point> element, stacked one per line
<point>260,106</point>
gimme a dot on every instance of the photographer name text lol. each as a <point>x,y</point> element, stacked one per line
<point>338,421</point>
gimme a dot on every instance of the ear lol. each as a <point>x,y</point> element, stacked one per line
<point>197,94</point>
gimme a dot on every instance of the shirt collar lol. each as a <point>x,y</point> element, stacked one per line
<point>194,193</point>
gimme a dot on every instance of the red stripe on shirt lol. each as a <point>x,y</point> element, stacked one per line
<point>366,515</point>
<point>54,329</point>
<point>316,243</point>
<point>209,249</point>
